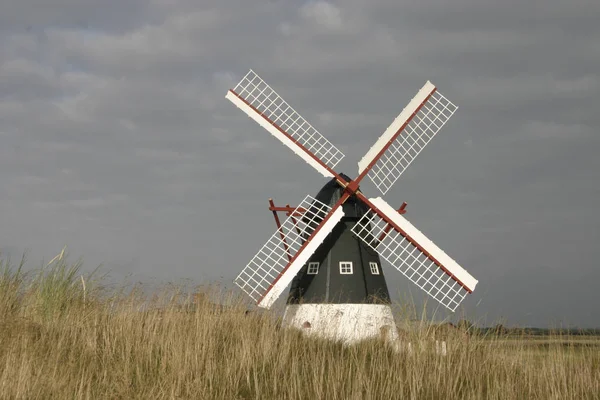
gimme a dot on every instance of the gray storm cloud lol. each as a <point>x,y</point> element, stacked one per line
<point>116,138</point>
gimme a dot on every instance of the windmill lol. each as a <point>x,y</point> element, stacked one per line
<point>330,246</point>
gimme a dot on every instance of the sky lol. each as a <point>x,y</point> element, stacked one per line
<point>116,138</point>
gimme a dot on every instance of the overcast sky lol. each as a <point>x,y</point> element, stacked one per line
<point>117,140</point>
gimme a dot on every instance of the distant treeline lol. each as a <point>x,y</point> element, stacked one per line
<point>538,331</point>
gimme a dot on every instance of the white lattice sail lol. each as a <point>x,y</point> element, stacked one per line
<point>410,132</point>
<point>257,99</point>
<point>270,270</point>
<point>442,279</point>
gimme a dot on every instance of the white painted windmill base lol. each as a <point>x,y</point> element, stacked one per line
<point>349,323</point>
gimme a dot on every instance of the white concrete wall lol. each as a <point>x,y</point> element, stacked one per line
<point>349,323</point>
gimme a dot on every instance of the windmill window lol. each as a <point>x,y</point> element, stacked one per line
<point>374,268</point>
<point>346,267</point>
<point>313,268</point>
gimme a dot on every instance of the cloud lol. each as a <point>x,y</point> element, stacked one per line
<point>542,130</point>
<point>323,14</point>
<point>115,136</point>
<point>96,202</point>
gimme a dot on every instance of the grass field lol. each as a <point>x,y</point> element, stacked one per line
<point>64,336</point>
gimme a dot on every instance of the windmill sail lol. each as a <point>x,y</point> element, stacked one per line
<point>414,255</point>
<point>379,230</point>
<point>270,270</point>
<point>406,137</point>
<point>257,99</point>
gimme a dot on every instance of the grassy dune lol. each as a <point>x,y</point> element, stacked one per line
<point>64,336</point>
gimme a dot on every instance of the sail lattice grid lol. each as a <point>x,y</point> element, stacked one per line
<point>410,261</point>
<point>417,133</point>
<point>266,101</point>
<point>271,260</point>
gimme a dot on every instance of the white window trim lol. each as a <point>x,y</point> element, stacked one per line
<point>345,264</point>
<point>374,268</point>
<point>310,271</point>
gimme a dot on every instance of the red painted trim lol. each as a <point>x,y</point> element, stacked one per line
<point>289,212</point>
<point>410,239</point>
<point>393,138</point>
<point>401,210</point>
<point>287,209</point>
<point>285,245</point>
<point>335,174</point>
<point>294,221</point>
<point>341,201</point>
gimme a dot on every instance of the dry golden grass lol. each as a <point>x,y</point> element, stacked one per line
<point>63,337</point>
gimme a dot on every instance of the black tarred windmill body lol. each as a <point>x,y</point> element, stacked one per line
<point>330,246</point>
<point>360,278</point>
